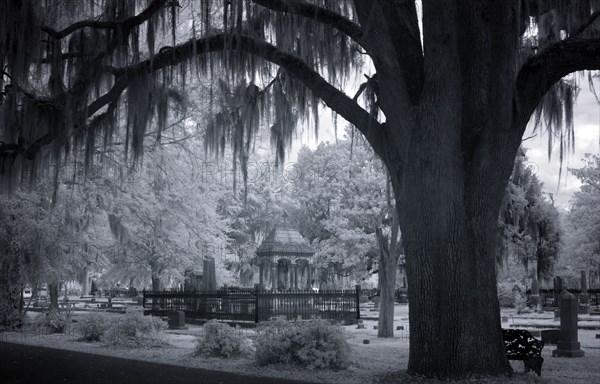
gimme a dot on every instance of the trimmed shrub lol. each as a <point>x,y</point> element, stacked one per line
<point>220,339</point>
<point>314,344</point>
<point>135,330</point>
<point>93,327</point>
<point>53,321</point>
<point>511,295</point>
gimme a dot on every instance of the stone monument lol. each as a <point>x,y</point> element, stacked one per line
<point>557,290</point>
<point>567,345</point>
<point>534,299</point>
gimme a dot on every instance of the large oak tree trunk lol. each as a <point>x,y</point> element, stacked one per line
<point>448,238</point>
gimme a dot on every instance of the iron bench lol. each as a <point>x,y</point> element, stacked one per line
<point>521,345</point>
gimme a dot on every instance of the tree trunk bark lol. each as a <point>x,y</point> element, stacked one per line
<point>449,220</point>
<point>53,291</point>
<point>85,288</point>
<point>156,286</point>
<point>451,273</point>
<point>387,283</point>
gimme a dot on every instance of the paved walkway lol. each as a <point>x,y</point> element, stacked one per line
<point>31,364</point>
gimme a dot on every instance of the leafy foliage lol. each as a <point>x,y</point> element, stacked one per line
<point>529,225</point>
<point>340,200</point>
<point>134,330</point>
<point>93,327</point>
<point>220,339</point>
<point>53,321</point>
<point>582,245</point>
<point>314,344</point>
<point>511,295</point>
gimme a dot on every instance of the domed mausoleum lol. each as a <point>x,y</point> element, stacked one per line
<point>284,259</point>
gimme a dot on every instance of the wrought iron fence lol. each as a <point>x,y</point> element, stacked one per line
<point>256,305</point>
<point>547,296</point>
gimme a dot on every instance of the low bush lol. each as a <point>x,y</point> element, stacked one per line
<point>510,295</point>
<point>314,344</point>
<point>135,330</point>
<point>93,327</point>
<point>53,321</point>
<point>220,339</point>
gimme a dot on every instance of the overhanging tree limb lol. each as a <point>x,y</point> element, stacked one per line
<point>540,72</point>
<point>126,24</point>
<point>330,95</point>
<point>319,14</point>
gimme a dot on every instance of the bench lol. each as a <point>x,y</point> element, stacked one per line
<point>521,345</point>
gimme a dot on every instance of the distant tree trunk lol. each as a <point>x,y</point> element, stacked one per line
<point>156,286</point>
<point>53,291</point>
<point>156,283</point>
<point>388,261</point>
<point>85,288</point>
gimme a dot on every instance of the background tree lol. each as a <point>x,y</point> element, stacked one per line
<point>529,226</point>
<point>582,245</point>
<point>343,201</point>
<point>453,90</point>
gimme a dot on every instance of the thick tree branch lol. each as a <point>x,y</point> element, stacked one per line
<point>403,26</point>
<point>540,72</point>
<point>585,25</point>
<point>126,24</point>
<point>334,98</point>
<point>322,15</point>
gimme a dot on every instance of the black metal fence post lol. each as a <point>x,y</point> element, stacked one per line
<point>357,301</point>
<point>256,289</point>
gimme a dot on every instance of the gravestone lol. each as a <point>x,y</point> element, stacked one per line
<point>534,299</point>
<point>551,336</point>
<point>568,346</point>
<point>177,320</point>
<point>557,290</point>
<point>584,299</point>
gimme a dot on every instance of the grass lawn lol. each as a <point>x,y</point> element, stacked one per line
<point>381,361</point>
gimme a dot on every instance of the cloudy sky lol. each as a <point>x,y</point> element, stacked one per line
<point>587,128</point>
<point>587,140</point>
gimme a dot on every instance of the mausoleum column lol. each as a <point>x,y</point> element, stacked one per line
<point>274,276</point>
<point>295,276</point>
<point>261,275</point>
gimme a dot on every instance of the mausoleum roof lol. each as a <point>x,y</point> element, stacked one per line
<point>284,241</point>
